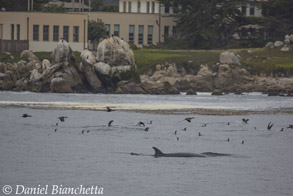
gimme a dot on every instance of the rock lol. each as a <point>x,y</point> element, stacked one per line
<point>21,85</point>
<point>286,49</point>
<point>291,38</point>
<point>126,87</point>
<point>71,77</point>
<point>90,75</point>
<point>35,75</point>
<point>168,89</point>
<point>191,92</point>
<point>114,52</point>
<point>229,58</point>
<point>270,45</point>
<point>29,55</point>
<point>278,44</point>
<point>217,92</point>
<point>45,64</point>
<point>203,81</point>
<point>224,77</point>
<point>6,81</point>
<point>2,67</point>
<point>88,56</point>
<point>62,53</point>
<point>59,85</point>
<point>158,67</point>
<point>102,68</point>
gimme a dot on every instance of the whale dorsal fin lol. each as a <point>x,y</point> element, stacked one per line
<point>158,153</point>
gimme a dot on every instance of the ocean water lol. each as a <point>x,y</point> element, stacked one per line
<point>33,154</point>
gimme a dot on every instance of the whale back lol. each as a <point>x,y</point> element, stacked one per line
<point>158,153</point>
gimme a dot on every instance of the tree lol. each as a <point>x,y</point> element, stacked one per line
<point>208,23</point>
<point>280,15</point>
<point>21,5</point>
<point>96,30</point>
<point>53,8</point>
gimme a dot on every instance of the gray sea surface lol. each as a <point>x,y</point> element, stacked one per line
<point>34,155</point>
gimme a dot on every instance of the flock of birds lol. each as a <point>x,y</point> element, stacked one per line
<point>146,129</point>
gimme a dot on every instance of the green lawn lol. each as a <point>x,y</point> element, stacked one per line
<point>148,58</point>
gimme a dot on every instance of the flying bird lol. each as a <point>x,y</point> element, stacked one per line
<point>62,118</point>
<point>245,120</point>
<point>270,125</point>
<point>110,122</point>
<point>26,115</point>
<point>189,119</point>
<point>140,124</point>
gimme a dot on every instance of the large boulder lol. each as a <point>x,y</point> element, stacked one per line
<point>278,44</point>
<point>45,64</point>
<point>115,51</point>
<point>59,85</point>
<point>230,58</point>
<point>86,67</point>
<point>29,55</point>
<point>203,81</point>
<point>102,68</point>
<point>62,53</point>
<point>224,77</point>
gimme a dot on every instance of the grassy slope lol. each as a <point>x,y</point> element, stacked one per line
<point>261,60</point>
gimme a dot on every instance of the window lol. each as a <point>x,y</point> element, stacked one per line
<point>12,31</point>
<point>116,30</point>
<point>175,32</point>
<point>36,32</point>
<point>18,31</point>
<point>107,26</point>
<point>138,6</point>
<point>153,7</point>
<point>148,7</point>
<point>150,34</point>
<point>175,8</point>
<point>243,8</point>
<point>167,8</point>
<point>140,34</point>
<point>251,10</point>
<point>45,32</point>
<point>124,6</point>
<point>66,33</point>
<point>166,31</point>
<point>56,33</point>
<point>129,6</point>
<point>75,33</point>
<point>131,33</point>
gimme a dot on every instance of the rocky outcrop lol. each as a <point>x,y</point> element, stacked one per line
<point>114,60</point>
<point>59,85</point>
<point>285,46</point>
<point>114,51</point>
<point>86,67</point>
<point>62,53</point>
<point>230,58</point>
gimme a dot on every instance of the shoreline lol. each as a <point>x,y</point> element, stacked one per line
<point>162,109</point>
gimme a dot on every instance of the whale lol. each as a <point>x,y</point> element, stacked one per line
<point>159,153</point>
